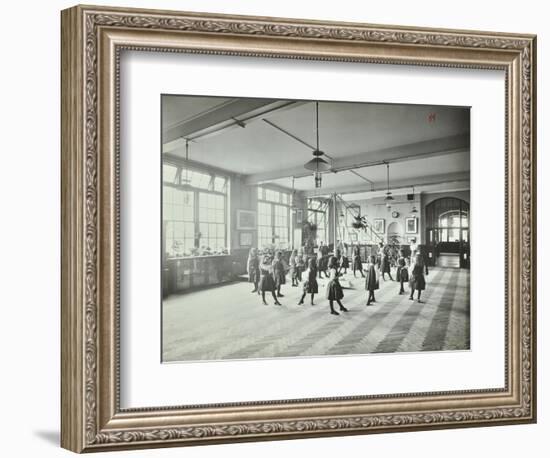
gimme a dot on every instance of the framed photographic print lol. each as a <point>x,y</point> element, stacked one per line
<point>411,225</point>
<point>246,239</point>
<point>379,225</point>
<point>246,220</point>
<point>169,171</point>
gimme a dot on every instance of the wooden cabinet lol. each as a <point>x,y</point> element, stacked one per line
<point>195,272</point>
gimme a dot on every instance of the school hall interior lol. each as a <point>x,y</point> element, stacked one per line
<point>312,179</point>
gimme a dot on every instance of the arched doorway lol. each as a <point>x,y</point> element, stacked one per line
<point>448,231</point>
<point>394,233</point>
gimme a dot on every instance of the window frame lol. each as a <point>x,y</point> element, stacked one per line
<point>284,200</point>
<point>196,192</point>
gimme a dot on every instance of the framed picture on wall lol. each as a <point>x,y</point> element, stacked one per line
<point>379,225</point>
<point>246,220</point>
<point>411,225</point>
<point>149,128</point>
<point>245,239</point>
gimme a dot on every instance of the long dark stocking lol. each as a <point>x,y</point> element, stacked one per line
<point>342,308</point>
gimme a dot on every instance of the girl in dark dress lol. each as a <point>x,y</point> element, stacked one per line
<point>334,290</point>
<point>357,262</point>
<point>279,272</point>
<point>267,283</point>
<point>301,265</point>
<point>322,259</point>
<point>310,285</point>
<point>385,265</point>
<point>402,275</point>
<point>371,279</point>
<point>293,262</point>
<point>417,281</point>
<point>253,269</point>
<point>342,260</point>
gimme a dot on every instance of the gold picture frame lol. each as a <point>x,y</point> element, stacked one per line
<point>92,40</point>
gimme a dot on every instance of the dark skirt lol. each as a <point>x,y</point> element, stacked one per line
<point>402,274</point>
<point>267,283</point>
<point>334,291</point>
<point>344,263</point>
<point>311,286</point>
<point>385,265</point>
<point>323,263</point>
<point>371,284</point>
<point>417,282</point>
<point>357,264</point>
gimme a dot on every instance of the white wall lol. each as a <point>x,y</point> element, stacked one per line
<point>29,185</point>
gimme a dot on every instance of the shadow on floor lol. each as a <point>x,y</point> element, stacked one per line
<point>52,437</point>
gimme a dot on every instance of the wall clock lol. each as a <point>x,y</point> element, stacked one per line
<point>395,214</point>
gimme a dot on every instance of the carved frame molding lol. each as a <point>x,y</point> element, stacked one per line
<point>92,40</point>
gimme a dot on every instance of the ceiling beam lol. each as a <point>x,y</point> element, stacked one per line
<point>235,113</point>
<point>452,179</point>
<point>408,152</point>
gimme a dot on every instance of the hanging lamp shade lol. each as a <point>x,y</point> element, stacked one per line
<point>388,197</point>
<point>317,164</point>
<point>414,210</point>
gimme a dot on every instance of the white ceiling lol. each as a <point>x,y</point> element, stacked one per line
<point>346,129</point>
<point>178,109</point>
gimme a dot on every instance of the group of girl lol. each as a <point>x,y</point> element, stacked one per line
<point>268,274</point>
<point>406,272</point>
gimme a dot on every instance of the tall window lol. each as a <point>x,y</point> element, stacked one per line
<point>212,220</point>
<point>178,211</point>
<point>317,214</point>
<point>194,211</point>
<point>273,218</point>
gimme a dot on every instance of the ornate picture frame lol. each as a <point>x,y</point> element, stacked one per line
<point>92,41</point>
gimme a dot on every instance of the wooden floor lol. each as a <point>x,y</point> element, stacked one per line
<point>448,260</point>
<point>229,322</point>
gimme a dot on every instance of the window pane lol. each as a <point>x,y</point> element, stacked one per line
<point>169,173</point>
<point>219,184</point>
<point>199,179</point>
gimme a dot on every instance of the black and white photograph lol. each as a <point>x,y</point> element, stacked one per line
<point>328,193</point>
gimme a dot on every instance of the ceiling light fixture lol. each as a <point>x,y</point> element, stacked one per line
<point>414,211</point>
<point>294,208</point>
<point>388,197</point>
<point>186,182</point>
<point>317,165</point>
